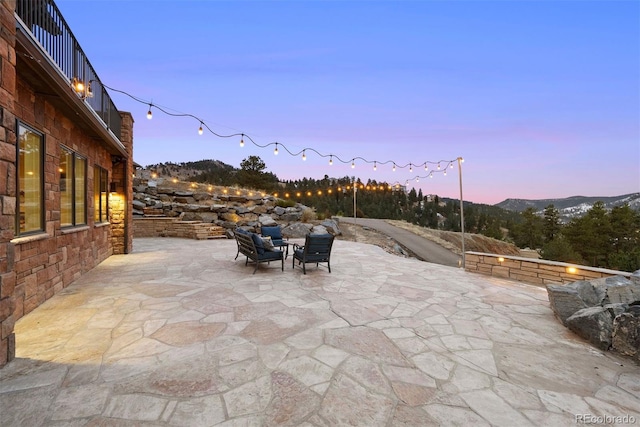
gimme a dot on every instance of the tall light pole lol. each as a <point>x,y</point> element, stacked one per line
<point>460,160</point>
<point>355,190</point>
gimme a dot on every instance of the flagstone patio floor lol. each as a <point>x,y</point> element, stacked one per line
<point>179,334</point>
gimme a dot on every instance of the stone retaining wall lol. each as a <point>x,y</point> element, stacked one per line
<point>534,271</point>
<point>172,227</point>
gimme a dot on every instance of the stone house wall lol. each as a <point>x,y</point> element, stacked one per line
<point>35,267</point>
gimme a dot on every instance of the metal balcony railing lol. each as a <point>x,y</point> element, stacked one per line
<point>47,26</point>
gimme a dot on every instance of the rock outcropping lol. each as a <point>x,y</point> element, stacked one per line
<point>249,211</point>
<point>606,311</point>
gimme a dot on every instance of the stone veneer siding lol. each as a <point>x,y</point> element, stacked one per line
<point>534,271</point>
<point>35,267</point>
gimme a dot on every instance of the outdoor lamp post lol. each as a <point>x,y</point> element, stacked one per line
<point>460,160</point>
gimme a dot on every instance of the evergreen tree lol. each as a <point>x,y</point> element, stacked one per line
<point>551,223</point>
<point>590,235</point>
<point>528,233</point>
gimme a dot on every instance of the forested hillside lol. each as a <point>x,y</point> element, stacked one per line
<point>600,237</point>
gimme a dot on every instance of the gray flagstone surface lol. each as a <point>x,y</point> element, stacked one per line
<point>179,334</point>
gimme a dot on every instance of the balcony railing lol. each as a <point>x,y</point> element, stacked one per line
<point>47,26</point>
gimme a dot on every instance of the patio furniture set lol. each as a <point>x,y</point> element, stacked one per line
<point>270,245</point>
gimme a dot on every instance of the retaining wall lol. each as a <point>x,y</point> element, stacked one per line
<point>534,271</point>
<point>173,227</point>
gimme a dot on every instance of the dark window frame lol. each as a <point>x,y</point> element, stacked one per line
<point>100,177</point>
<point>75,221</point>
<point>42,149</point>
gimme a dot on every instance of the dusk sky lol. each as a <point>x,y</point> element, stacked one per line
<point>540,98</point>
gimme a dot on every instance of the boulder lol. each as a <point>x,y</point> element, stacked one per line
<point>297,230</point>
<point>267,220</point>
<point>291,216</point>
<point>565,301</point>
<point>604,311</point>
<point>332,226</point>
<point>185,200</point>
<point>262,209</point>
<point>595,324</point>
<point>319,229</point>
<point>199,197</point>
<point>279,210</point>
<point>139,205</point>
<point>626,333</point>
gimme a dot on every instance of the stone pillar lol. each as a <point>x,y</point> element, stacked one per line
<point>7,180</point>
<point>120,201</point>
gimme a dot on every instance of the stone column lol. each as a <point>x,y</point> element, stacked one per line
<point>120,201</point>
<point>7,180</point>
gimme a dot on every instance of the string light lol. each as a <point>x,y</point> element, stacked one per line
<point>203,125</point>
<point>304,156</point>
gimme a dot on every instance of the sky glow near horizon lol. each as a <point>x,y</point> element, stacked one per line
<point>540,98</point>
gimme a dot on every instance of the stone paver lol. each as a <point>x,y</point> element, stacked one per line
<point>179,334</point>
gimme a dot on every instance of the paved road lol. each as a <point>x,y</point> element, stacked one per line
<point>423,249</point>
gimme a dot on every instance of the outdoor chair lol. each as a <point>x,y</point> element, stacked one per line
<point>276,237</point>
<point>252,246</point>
<point>316,249</point>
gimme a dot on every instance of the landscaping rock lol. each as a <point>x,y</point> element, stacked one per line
<point>319,229</point>
<point>595,324</point>
<point>626,333</point>
<point>565,301</point>
<point>605,311</point>
<point>297,230</point>
<point>267,220</point>
<point>332,226</point>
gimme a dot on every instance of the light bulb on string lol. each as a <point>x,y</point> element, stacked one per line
<point>394,167</point>
<point>426,166</point>
<point>410,168</point>
<point>353,164</point>
<point>330,160</point>
<point>275,151</point>
<point>149,113</point>
<point>431,175</point>
<point>445,172</point>
<point>200,129</point>
<point>375,166</point>
<point>304,155</point>
<point>417,179</point>
<point>242,140</point>
<point>451,165</point>
<point>438,165</point>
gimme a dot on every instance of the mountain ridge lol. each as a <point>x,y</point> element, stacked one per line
<point>573,206</point>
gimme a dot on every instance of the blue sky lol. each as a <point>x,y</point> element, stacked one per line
<point>541,98</point>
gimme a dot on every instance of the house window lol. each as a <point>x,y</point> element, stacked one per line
<point>73,188</point>
<point>100,188</point>
<point>30,180</point>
